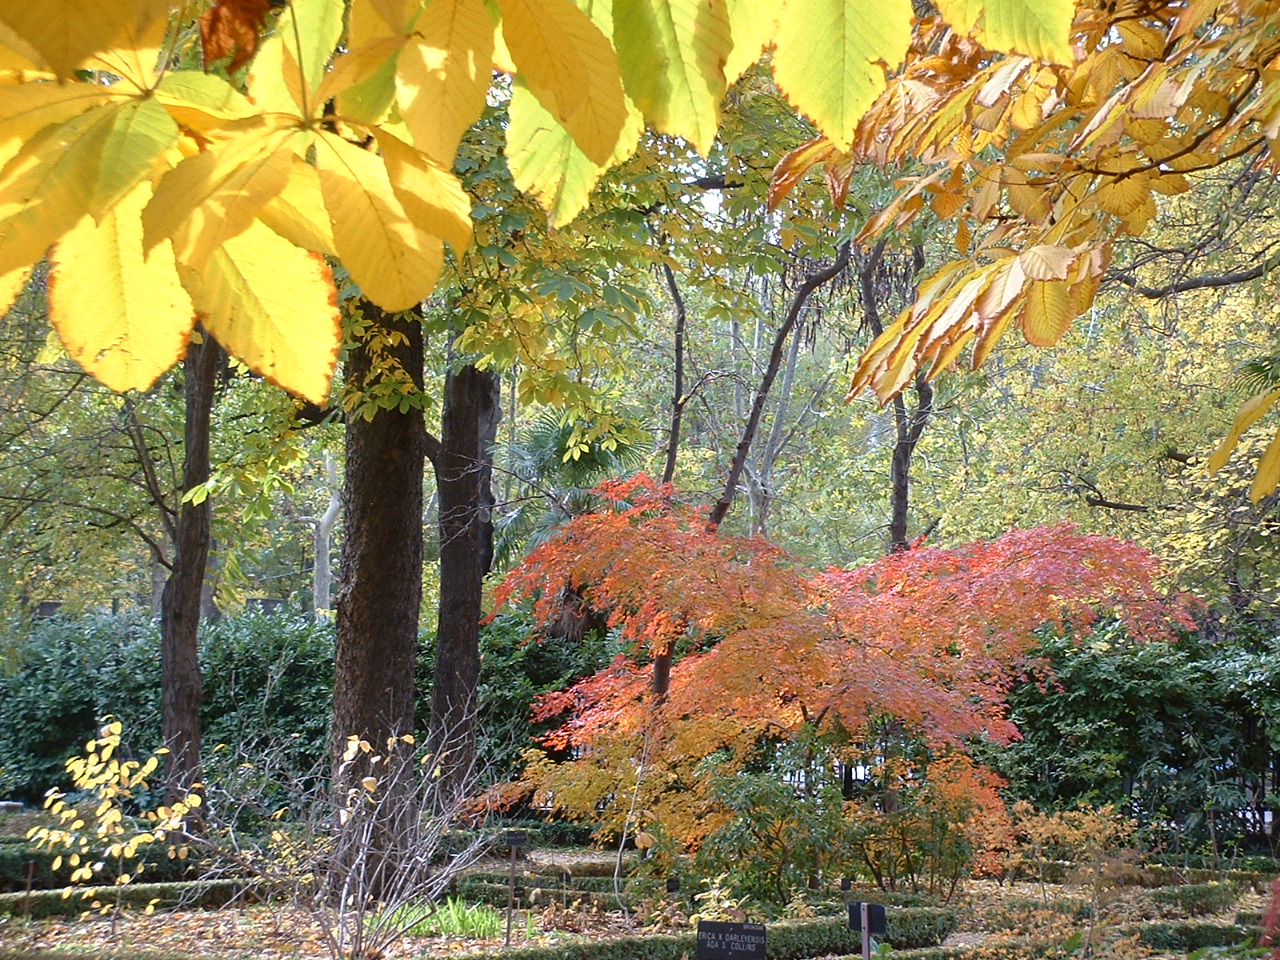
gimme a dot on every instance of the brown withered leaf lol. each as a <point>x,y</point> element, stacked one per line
<point>229,29</point>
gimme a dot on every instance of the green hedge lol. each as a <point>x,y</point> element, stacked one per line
<point>1161,876</point>
<point>268,678</point>
<point>1012,949</point>
<point>198,893</point>
<point>550,878</point>
<point>789,940</point>
<point>1197,899</point>
<point>1187,936</point>
<point>14,858</point>
<point>265,677</point>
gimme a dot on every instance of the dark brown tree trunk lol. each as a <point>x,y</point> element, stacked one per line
<point>380,585</point>
<point>678,398</point>
<point>908,425</point>
<point>463,461</point>
<point>182,684</point>
<point>806,289</point>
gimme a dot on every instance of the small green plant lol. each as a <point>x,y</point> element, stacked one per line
<point>717,902</point>
<point>453,917</point>
<point>107,831</point>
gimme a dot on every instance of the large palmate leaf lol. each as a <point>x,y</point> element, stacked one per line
<point>548,164</point>
<point>395,262</point>
<point>67,32</point>
<point>431,195</point>
<point>215,195</point>
<point>672,55</point>
<point>754,25</point>
<point>122,316</point>
<point>565,60</point>
<point>443,73</point>
<point>291,63</point>
<point>297,212</point>
<point>273,306</point>
<point>831,57</point>
<point>59,175</point>
<point>1037,28</point>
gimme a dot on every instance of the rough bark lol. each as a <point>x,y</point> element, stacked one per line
<point>182,684</point>
<point>463,461</point>
<point>380,585</point>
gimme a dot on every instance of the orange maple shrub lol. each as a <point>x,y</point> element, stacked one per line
<point>766,647</point>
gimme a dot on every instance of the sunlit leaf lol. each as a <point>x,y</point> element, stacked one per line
<point>832,55</point>
<point>216,194</point>
<point>297,212</point>
<point>546,162</point>
<point>395,262</point>
<point>753,25</point>
<point>569,65</point>
<point>67,32</point>
<point>672,55</point>
<point>430,194</point>
<point>123,318</point>
<point>443,74</point>
<point>1037,28</point>
<point>273,306</point>
<point>291,63</point>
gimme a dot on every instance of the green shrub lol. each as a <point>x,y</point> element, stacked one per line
<point>58,681</point>
<point>891,898</point>
<point>1185,937</point>
<point>158,868</point>
<point>199,893</point>
<point>1012,913</point>
<point>1197,899</point>
<point>266,678</point>
<point>789,940</point>
<point>268,682</point>
<point>1013,949</point>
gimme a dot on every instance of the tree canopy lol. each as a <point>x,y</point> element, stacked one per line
<point>169,191</point>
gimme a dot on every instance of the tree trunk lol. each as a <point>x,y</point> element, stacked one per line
<point>182,684</point>
<point>678,399</point>
<point>908,425</point>
<point>463,461</point>
<point>380,577</point>
<point>806,289</point>
<point>321,540</point>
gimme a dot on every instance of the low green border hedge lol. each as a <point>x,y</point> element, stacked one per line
<point>1197,899</point>
<point>14,858</point>
<point>196,893</point>
<point>787,940</point>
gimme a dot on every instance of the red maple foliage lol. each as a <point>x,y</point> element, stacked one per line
<point>933,637</point>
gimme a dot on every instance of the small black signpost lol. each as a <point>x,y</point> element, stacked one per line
<point>869,918</point>
<point>515,839</point>
<point>719,940</point>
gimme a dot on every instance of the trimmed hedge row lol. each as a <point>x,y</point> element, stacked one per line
<point>196,893</point>
<point>1162,876</point>
<point>495,894</point>
<point>1188,936</point>
<point>1197,899</point>
<point>15,857</point>
<point>789,940</point>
